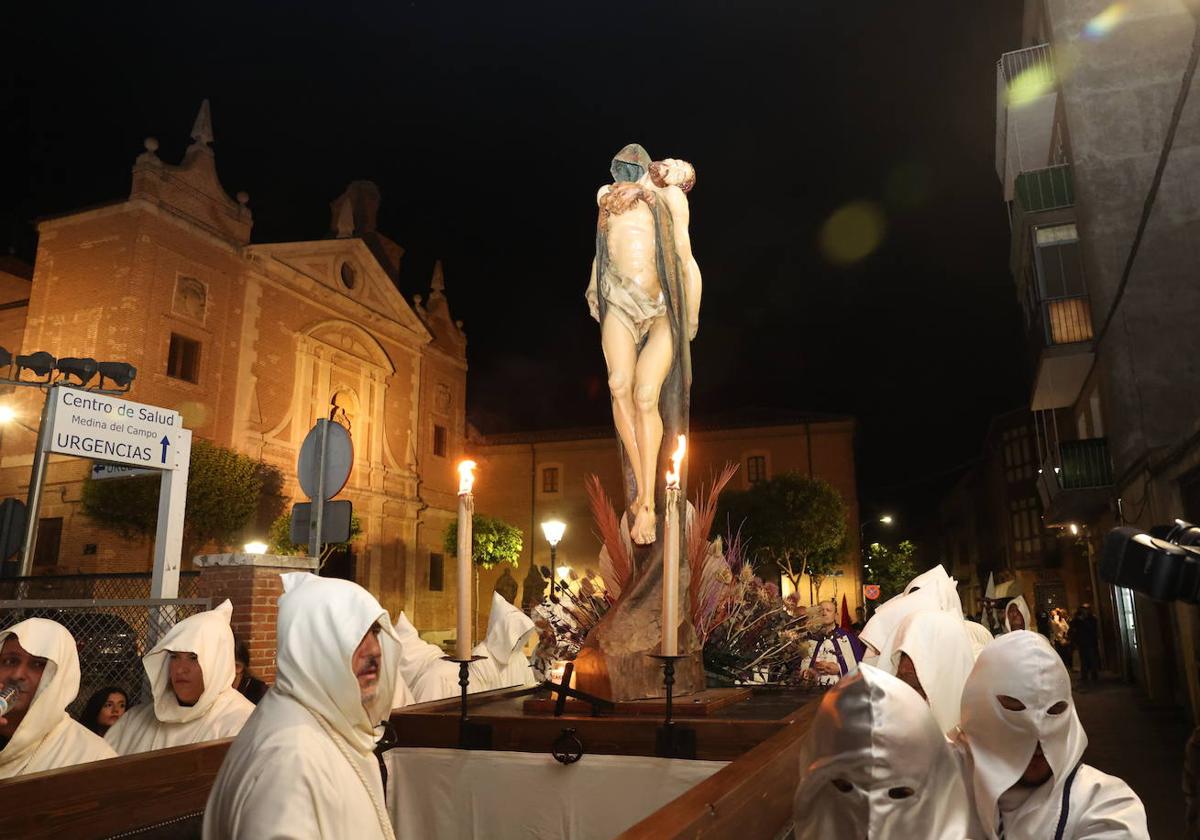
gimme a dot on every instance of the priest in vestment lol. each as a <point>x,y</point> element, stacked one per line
<point>38,656</point>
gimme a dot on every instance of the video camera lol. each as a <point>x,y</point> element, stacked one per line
<point>1163,563</point>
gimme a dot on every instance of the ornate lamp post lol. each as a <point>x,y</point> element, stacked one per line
<point>553,529</point>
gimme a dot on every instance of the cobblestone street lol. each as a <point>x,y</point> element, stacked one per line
<point>1142,744</point>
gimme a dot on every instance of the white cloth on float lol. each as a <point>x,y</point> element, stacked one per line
<point>504,664</point>
<point>1023,609</point>
<point>47,738</point>
<point>980,636</point>
<point>500,795</point>
<point>938,645</point>
<point>304,766</point>
<point>874,764</point>
<point>999,743</point>
<point>221,709</point>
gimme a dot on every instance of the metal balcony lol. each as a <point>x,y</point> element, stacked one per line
<point>1026,99</point>
<point>1048,188</point>
<point>1076,481</point>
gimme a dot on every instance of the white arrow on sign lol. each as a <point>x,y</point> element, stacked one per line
<point>104,471</point>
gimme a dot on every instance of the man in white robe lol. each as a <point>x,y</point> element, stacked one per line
<point>1024,745</point>
<point>39,658</point>
<point>933,654</point>
<point>1017,617</point>
<point>191,673</point>
<point>932,590</point>
<point>304,764</point>
<point>874,764</point>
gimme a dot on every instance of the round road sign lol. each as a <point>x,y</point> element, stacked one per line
<point>339,458</point>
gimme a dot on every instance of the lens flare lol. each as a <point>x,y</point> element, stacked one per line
<point>1030,84</point>
<point>852,233</point>
<point>1104,23</point>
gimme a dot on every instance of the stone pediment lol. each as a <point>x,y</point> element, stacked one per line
<point>349,269</point>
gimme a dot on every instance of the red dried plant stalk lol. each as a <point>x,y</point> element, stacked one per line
<point>609,528</point>
<point>701,578</point>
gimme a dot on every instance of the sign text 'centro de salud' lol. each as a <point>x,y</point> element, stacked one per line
<point>104,428</point>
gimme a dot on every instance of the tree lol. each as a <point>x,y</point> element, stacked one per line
<point>493,541</point>
<point>891,568</point>
<point>794,522</point>
<point>224,492</point>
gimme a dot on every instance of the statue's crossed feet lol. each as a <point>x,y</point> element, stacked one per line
<point>645,526</point>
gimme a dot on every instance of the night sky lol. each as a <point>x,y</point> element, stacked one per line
<point>488,126</point>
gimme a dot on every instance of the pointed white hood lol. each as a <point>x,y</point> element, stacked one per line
<point>57,689</point>
<point>872,741</point>
<point>945,586</point>
<point>1021,665</point>
<point>321,622</point>
<point>939,647</point>
<point>1023,608</point>
<point>980,636</point>
<point>207,635</point>
<point>415,654</point>
<point>508,630</point>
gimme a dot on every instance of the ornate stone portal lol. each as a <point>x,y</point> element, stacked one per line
<point>645,292</point>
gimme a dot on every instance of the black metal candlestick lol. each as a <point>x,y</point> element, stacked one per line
<point>673,740</point>
<point>471,735</point>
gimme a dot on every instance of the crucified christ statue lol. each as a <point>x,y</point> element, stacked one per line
<point>644,290</point>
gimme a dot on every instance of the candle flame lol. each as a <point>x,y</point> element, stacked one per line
<point>466,476</point>
<point>676,460</point>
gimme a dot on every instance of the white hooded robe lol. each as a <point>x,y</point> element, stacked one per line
<point>940,595</point>
<point>304,766</point>
<point>938,645</point>
<point>221,709</point>
<point>1023,609</point>
<point>999,743</point>
<point>47,738</point>
<point>874,765</point>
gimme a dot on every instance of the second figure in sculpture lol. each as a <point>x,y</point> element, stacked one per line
<point>643,262</point>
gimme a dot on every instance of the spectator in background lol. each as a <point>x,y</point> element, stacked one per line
<point>835,652</point>
<point>1060,636</point>
<point>1085,636</point>
<point>860,619</point>
<point>104,708</point>
<point>251,687</point>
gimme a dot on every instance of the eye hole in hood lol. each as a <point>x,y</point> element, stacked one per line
<point>1010,703</point>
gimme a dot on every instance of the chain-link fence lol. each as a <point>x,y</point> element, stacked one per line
<point>133,585</point>
<point>111,634</point>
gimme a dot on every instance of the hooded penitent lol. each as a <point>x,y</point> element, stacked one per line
<point>1001,736</point>
<point>940,649</point>
<point>980,636</point>
<point>1023,608</point>
<point>875,765</point>
<point>47,738</point>
<point>881,629</point>
<point>304,766</point>
<point>221,709</point>
<point>945,586</point>
<point>503,664</point>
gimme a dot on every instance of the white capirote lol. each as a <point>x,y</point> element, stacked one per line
<point>304,766</point>
<point>980,636</point>
<point>874,764</point>
<point>47,738</point>
<point>1078,801</point>
<point>221,709</point>
<point>938,645</point>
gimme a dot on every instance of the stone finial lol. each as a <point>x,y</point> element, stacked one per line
<point>344,222</point>
<point>438,283</point>
<point>202,132</point>
<point>243,198</point>
<point>150,144</point>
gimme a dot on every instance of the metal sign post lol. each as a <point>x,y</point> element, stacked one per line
<point>323,467</point>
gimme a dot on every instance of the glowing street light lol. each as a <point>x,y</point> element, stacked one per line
<point>255,548</point>
<point>554,530</point>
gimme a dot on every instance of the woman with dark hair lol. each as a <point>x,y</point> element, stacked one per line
<point>251,687</point>
<point>104,708</point>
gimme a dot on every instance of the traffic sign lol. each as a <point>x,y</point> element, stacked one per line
<point>871,591</point>
<point>101,471</point>
<point>335,527</point>
<point>90,425</point>
<point>339,458</point>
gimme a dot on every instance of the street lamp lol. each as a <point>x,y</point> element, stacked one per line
<point>553,529</point>
<point>886,519</point>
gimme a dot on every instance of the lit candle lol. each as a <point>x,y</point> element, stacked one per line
<point>670,592</point>
<point>466,510</point>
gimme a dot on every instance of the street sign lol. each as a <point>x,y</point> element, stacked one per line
<point>90,425</point>
<point>335,527</point>
<point>871,591</point>
<point>339,458</point>
<point>101,471</point>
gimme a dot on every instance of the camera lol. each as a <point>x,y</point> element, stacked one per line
<point>1163,563</point>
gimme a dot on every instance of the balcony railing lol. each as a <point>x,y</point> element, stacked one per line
<point>1084,464</point>
<point>1050,188</point>
<point>1036,63</point>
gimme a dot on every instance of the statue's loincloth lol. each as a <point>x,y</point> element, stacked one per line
<point>626,302</point>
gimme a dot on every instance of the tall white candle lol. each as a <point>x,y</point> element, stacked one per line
<point>466,580</point>
<point>670,578</point>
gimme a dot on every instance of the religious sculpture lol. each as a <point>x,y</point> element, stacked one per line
<point>645,292</point>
